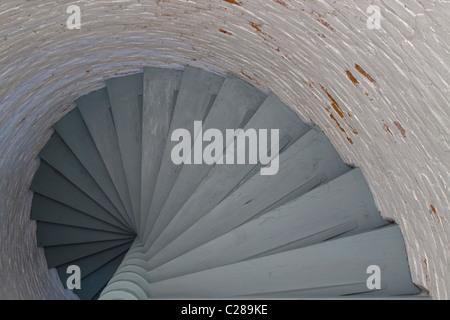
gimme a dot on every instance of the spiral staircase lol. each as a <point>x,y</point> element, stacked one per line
<point>109,199</point>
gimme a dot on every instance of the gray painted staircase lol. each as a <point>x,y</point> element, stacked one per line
<point>109,199</point>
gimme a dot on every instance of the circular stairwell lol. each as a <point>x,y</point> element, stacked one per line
<point>109,199</point>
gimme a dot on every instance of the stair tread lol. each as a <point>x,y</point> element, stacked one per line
<point>188,108</point>
<point>339,263</point>
<point>124,96</point>
<point>325,212</point>
<point>47,210</point>
<point>58,255</point>
<point>75,134</point>
<point>48,182</point>
<point>91,263</point>
<point>307,163</point>
<point>96,112</point>
<point>93,283</point>
<point>221,180</point>
<point>160,95</point>
<point>58,155</point>
<point>234,100</point>
<point>50,234</point>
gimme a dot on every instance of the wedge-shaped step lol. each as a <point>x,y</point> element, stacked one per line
<point>125,96</point>
<point>233,107</point>
<point>340,263</point>
<point>58,155</point>
<point>50,183</point>
<point>188,108</point>
<point>47,210</point>
<point>91,263</point>
<point>93,284</point>
<point>161,87</point>
<point>50,234</point>
<point>220,181</point>
<point>323,213</point>
<point>307,163</point>
<point>58,255</point>
<point>96,112</point>
<point>75,134</point>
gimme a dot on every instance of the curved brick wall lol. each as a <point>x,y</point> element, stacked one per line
<point>381,96</point>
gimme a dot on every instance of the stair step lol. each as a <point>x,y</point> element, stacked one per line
<point>50,234</point>
<point>96,281</point>
<point>221,180</point>
<point>48,182</point>
<point>161,88</point>
<point>58,255</point>
<point>91,263</point>
<point>58,155</point>
<point>47,210</point>
<point>338,264</point>
<point>323,213</point>
<point>307,163</point>
<point>124,95</point>
<point>75,134</point>
<point>96,112</point>
<point>188,108</point>
<point>234,101</point>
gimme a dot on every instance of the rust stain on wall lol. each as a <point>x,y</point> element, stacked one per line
<point>341,114</point>
<point>225,32</point>
<point>256,26</point>
<point>387,129</point>
<point>400,128</point>
<point>337,122</point>
<point>64,110</point>
<point>364,73</point>
<point>351,77</point>
<point>334,104</point>
<point>280,2</point>
<point>250,78</point>
<point>323,22</point>
<point>234,2</point>
<point>433,209</point>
